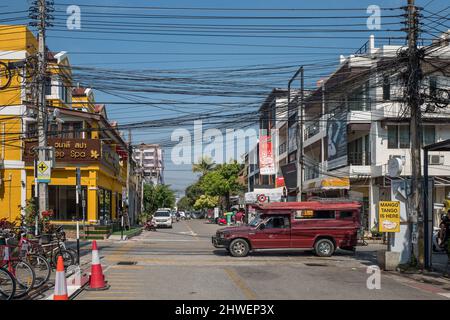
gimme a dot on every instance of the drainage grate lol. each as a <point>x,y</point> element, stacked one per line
<point>126,263</point>
<point>316,265</point>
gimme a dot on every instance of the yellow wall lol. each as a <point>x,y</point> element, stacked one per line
<point>10,194</point>
<point>15,38</point>
<point>10,134</point>
<point>19,38</point>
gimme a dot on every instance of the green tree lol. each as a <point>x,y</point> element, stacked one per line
<point>184,204</point>
<point>222,181</point>
<point>193,192</point>
<point>159,196</point>
<point>204,165</point>
<point>206,202</point>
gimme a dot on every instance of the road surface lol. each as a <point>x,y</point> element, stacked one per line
<point>181,263</point>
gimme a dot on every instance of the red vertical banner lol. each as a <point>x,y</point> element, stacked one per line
<point>266,160</point>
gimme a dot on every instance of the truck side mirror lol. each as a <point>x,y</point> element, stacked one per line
<point>262,226</point>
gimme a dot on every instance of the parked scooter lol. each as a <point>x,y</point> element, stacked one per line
<point>150,226</point>
<point>436,243</point>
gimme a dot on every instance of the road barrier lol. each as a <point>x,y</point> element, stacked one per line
<point>60,281</point>
<point>97,279</point>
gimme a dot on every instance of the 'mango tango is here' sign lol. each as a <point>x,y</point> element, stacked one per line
<point>389,216</point>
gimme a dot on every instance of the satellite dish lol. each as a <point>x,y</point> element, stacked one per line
<point>395,167</point>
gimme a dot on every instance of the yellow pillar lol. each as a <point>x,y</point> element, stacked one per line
<point>92,213</point>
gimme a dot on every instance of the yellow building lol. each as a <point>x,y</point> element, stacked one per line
<point>81,136</point>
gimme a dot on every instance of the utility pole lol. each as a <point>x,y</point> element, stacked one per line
<point>130,154</point>
<point>414,75</point>
<point>299,137</point>
<point>41,102</point>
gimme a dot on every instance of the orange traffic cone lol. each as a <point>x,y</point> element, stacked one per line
<point>97,279</point>
<point>60,281</point>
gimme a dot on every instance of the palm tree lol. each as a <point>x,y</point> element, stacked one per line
<point>204,165</point>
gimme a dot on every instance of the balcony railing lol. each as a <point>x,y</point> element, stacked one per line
<point>282,148</point>
<point>311,172</point>
<point>312,129</point>
<point>359,158</point>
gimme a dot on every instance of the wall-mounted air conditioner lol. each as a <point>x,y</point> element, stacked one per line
<point>435,159</point>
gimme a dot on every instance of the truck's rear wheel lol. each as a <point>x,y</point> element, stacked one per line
<point>239,248</point>
<point>324,248</point>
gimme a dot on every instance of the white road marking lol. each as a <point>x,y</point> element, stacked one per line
<point>447,295</point>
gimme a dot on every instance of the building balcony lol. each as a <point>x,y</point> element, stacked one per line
<point>359,158</point>
<point>312,129</point>
<point>282,148</point>
<point>315,130</point>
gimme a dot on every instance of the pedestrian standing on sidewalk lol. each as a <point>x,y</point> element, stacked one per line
<point>239,216</point>
<point>444,236</point>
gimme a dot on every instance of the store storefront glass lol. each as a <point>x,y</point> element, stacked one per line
<point>62,201</point>
<point>104,205</point>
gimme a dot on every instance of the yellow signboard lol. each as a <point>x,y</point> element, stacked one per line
<point>389,216</point>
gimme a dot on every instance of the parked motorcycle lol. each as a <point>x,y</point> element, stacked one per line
<point>150,226</point>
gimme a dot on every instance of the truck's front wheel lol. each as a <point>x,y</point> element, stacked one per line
<point>239,248</point>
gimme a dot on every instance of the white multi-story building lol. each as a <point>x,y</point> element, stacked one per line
<point>356,120</point>
<point>150,157</point>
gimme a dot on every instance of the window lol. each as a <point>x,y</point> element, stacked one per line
<point>433,86</point>
<point>277,223</point>
<point>429,135</point>
<point>315,214</point>
<point>404,136</point>
<point>386,88</point>
<point>62,201</point>
<point>32,130</point>
<point>53,130</point>
<point>104,205</point>
<point>48,86</point>
<point>392,137</point>
<point>359,99</point>
<point>398,136</point>
<point>76,128</point>
<point>72,130</point>
<point>346,215</point>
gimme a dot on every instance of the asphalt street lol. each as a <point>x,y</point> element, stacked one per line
<point>181,263</point>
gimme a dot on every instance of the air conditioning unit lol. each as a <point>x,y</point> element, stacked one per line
<point>435,159</point>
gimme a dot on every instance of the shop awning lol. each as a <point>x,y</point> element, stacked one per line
<point>329,183</point>
<point>335,183</point>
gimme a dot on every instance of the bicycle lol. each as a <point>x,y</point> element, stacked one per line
<point>40,264</point>
<point>22,271</point>
<point>7,285</point>
<point>46,246</point>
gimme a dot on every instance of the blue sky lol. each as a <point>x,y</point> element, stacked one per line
<point>226,52</point>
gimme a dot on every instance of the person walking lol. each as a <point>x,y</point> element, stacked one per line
<point>444,236</point>
<point>239,217</point>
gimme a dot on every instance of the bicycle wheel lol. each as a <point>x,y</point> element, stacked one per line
<point>68,258</point>
<point>24,274</point>
<point>74,254</point>
<point>41,267</point>
<point>7,285</point>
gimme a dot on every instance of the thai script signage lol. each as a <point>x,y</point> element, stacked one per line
<point>67,150</point>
